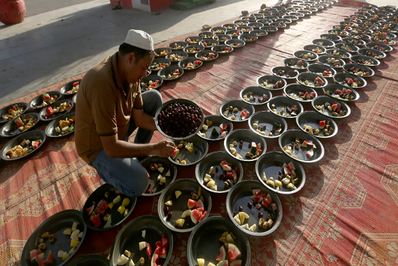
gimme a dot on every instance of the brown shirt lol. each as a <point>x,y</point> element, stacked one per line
<point>103,107</point>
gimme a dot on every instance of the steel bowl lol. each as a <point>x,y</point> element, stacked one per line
<point>365,60</point>
<point>332,61</point>
<point>255,95</point>
<point>308,79</point>
<point>37,102</point>
<point>335,90</point>
<point>144,82</point>
<point>271,82</point>
<point>159,63</point>
<point>324,42</point>
<point>340,53</point>
<point>240,105</point>
<point>235,43</point>
<point>178,45</point>
<point>10,129</point>
<point>51,127</point>
<point>270,121</point>
<point>222,49</point>
<point>200,149</point>
<point>205,56</point>
<point>380,46</point>
<point>320,69</point>
<point>184,63</point>
<point>175,54</point>
<point>162,52</point>
<point>216,122</point>
<point>43,112</point>
<point>299,64</point>
<point>377,54</point>
<point>308,122</point>
<point>66,88</point>
<point>342,78</point>
<point>284,72</point>
<point>4,111</point>
<point>300,92</point>
<point>319,102</point>
<point>362,71</point>
<point>165,72</point>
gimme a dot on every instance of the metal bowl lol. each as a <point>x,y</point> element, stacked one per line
<point>361,36</point>
<point>159,63</point>
<point>36,103</point>
<point>222,49</point>
<point>217,121</point>
<point>186,186</point>
<point>259,33</point>
<point>354,41</point>
<point>204,241</point>
<point>193,49</point>
<point>218,30</point>
<point>260,95</point>
<point>24,107</point>
<point>55,224</point>
<point>264,21</point>
<point>291,17</point>
<point>308,79</point>
<point>29,135</point>
<point>164,107</point>
<point>332,37</point>
<point>288,137</point>
<point>206,34</point>
<point>278,24</point>
<point>322,70</point>
<point>295,63</point>
<point>248,37</point>
<point>380,46</point>
<point>268,120</point>
<point>341,33</point>
<point>359,70</point>
<point>246,137</point>
<point>74,98</point>
<point>233,33</point>
<point>332,61</point>
<point>130,235</point>
<point>306,55</point>
<point>238,115</point>
<point>165,72</point>
<point>241,194</point>
<point>10,129</point>
<point>377,54</point>
<point>43,111</point>
<point>50,129</point>
<point>300,92</point>
<point>230,26</point>
<point>176,55</point>
<point>324,42</point>
<point>308,119</point>
<point>269,28</point>
<point>200,149</point>
<point>321,100</point>
<point>155,187</point>
<point>340,53</point>
<point>271,82</point>
<point>208,43</point>
<point>255,25</point>
<point>365,60</point>
<point>284,72</point>
<point>342,78</point>
<point>235,43</point>
<point>244,29</point>
<point>271,164</point>
<point>277,103</point>
<point>221,38</point>
<point>64,90</point>
<point>144,82</point>
<point>162,52</point>
<point>241,22</point>
<point>184,63</point>
<point>335,91</point>
<point>205,56</point>
<point>317,49</point>
<point>284,20</point>
<point>351,48</point>
<point>219,175</point>
<point>178,45</point>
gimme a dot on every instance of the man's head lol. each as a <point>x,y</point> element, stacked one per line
<point>137,54</point>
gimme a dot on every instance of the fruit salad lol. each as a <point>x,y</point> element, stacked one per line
<point>234,33</point>
<point>317,50</point>
<point>162,175</point>
<point>162,53</point>
<point>318,82</point>
<point>355,83</point>
<point>373,54</point>
<point>177,46</point>
<point>182,145</point>
<point>287,179</point>
<point>334,109</point>
<point>296,64</point>
<point>14,111</point>
<point>344,94</point>
<point>176,57</point>
<point>192,65</point>
<point>208,57</point>
<point>173,75</point>
<point>24,148</point>
<point>220,31</point>
<point>224,171</point>
<point>158,65</point>
<point>262,129</point>
<point>62,108</point>
<point>324,129</point>
<point>327,73</point>
<point>25,124</point>
<point>288,112</point>
<point>47,100</point>
<point>251,97</point>
<point>75,88</point>
<point>192,41</point>
<point>303,96</point>
<point>255,149</point>
<point>193,50</point>
<point>150,85</point>
<point>75,235</point>
<point>364,62</point>
<point>208,43</point>
<point>338,54</point>
<point>65,126</point>
<point>250,39</point>
<point>232,112</point>
<point>362,72</point>
<point>333,62</point>
<point>235,44</point>
<point>286,73</point>
<point>224,129</point>
<point>295,148</point>
<point>269,84</point>
<point>224,50</point>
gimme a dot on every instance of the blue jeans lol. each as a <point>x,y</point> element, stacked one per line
<point>127,174</point>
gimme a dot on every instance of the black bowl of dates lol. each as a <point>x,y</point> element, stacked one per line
<point>12,111</point>
<point>61,126</point>
<point>358,70</point>
<point>255,95</point>
<point>23,145</point>
<point>331,107</point>
<point>245,145</point>
<point>162,51</point>
<point>316,124</point>
<point>19,125</point>
<point>236,110</point>
<point>45,99</point>
<point>151,82</point>
<point>178,45</point>
<point>300,92</point>
<point>57,109</point>
<point>70,88</point>
<point>190,63</point>
<point>278,172</point>
<point>218,172</point>
<point>301,146</point>
<point>285,107</point>
<point>174,113</point>
<point>341,92</point>
<point>324,42</point>
<point>183,205</point>
<point>215,128</point>
<point>350,80</point>
<point>171,73</point>
<point>284,72</point>
<point>253,208</point>
<point>267,125</point>
<point>207,56</point>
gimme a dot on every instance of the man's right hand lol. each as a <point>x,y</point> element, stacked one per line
<point>164,148</point>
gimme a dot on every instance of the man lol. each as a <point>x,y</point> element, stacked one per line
<point>110,106</point>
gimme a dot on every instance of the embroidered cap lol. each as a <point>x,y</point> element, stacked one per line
<point>140,39</point>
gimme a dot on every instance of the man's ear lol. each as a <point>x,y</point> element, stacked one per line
<point>131,58</point>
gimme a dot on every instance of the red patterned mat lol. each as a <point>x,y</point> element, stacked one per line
<point>346,213</point>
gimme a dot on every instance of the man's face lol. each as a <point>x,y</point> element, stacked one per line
<point>137,70</point>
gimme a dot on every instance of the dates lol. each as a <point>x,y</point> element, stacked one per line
<point>180,119</point>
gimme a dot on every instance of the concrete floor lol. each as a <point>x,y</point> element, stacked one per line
<point>62,41</point>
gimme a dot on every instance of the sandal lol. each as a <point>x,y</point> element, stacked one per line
<point>116,7</point>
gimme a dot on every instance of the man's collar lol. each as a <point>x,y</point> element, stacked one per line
<point>116,70</point>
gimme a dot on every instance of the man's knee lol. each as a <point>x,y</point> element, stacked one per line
<point>152,101</point>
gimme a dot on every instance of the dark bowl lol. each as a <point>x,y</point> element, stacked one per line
<point>377,54</point>
<point>43,112</point>
<point>300,154</point>
<point>257,15</point>
<point>200,149</point>
<point>271,164</point>
<point>10,129</point>
<point>235,43</point>
<point>221,38</point>
<point>354,41</point>
<point>319,102</point>
<point>116,218</point>
<point>341,33</point>
<point>284,72</point>
<point>241,194</point>
<point>365,60</point>
<point>129,237</point>
<point>74,98</point>
<point>243,138</point>
<point>340,53</point>
<point>29,135</point>
<point>208,43</point>
<point>206,35</point>
<point>165,72</point>
<point>271,82</point>
<point>380,46</point>
<point>244,29</point>
<point>308,122</point>
<point>240,105</point>
<point>182,101</point>
<point>259,33</point>
<point>268,120</point>
<point>308,79</point>
<point>193,40</point>
<point>324,42</point>
<point>3,111</point>
<point>255,95</point>
<point>184,63</point>
<point>248,18</point>
<point>335,91</point>
<point>230,26</point>
<point>55,224</point>
<point>193,49</point>
<point>332,37</point>
<point>176,55</point>
<point>255,25</point>
<point>233,33</point>
<point>291,17</point>
<point>362,71</point>
<point>186,186</point>
<point>322,70</point>
<point>159,63</point>
<point>300,92</point>
<point>361,36</point>
<point>248,37</point>
<point>216,122</point>
<point>351,48</point>
<point>66,89</point>
<point>222,49</point>
<point>162,52</point>
<point>51,127</point>
<point>218,30</point>
<point>343,77</point>
<point>155,187</point>
<point>144,82</point>
<point>269,28</point>
<point>295,63</point>
<point>318,49</point>
<point>205,56</point>
<point>284,20</point>
<point>177,45</point>
<point>219,175</point>
<point>332,61</point>
<point>204,241</point>
<point>276,104</point>
<point>278,24</point>
<point>36,103</point>
<point>306,55</point>
<point>241,22</point>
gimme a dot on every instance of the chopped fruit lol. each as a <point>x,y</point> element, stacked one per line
<point>169,203</point>
<point>177,193</point>
<point>142,245</point>
<point>191,203</point>
<point>116,200</point>
<point>180,222</point>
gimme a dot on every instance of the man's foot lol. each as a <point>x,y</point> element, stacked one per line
<point>116,7</point>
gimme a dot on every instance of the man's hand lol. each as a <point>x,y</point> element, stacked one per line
<point>164,148</point>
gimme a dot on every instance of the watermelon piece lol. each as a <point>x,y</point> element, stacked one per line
<point>49,111</point>
<point>222,255</point>
<point>195,216</point>
<point>175,153</point>
<point>164,241</point>
<point>257,198</point>
<point>233,252</point>
<point>19,122</point>
<point>267,201</point>
<point>163,253</point>
<point>191,203</point>
<point>102,206</point>
<point>290,165</point>
<point>321,124</point>
<point>224,134</point>
<point>49,259</point>
<point>46,97</point>
<point>202,216</point>
<point>236,263</point>
<point>256,192</point>
<point>154,259</point>
<point>95,219</point>
<point>35,144</point>
<point>310,153</point>
<point>225,166</point>
<point>34,253</point>
<point>90,210</point>
<point>245,113</point>
<point>149,250</point>
<point>232,175</point>
<point>224,127</point>
<point>40,259</point>
<point>199,204</point>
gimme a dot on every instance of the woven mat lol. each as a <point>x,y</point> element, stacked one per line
<point>346,213</point>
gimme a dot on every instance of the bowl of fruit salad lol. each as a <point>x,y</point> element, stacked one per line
<point>375,53</point>
<point>312,80</point>
<point>364,60</point>
<point>151,82</point>
<point>183,205</point>
<point>45,99</point>
<point>193,40</point>
<point>189,152</point>
<point>332,61</point>
<point>324,42</point>
<point>19,125</point>
<point>271,82</point>
<point>322,70</point>
<point>208,43</point>
<point>300,92</point>
<point>380,46</point>
<point>284,72</point>
<point>350,80</point>
<point>171,73</point>
<point>222,49</point>
<point>301,146</point>
<point>55,110</point>
<point>296,63</point>
<point>254,209</point>
<point>306,55</point>
<point>207,56</point>
<point>61,126</point>
<point>236,110</point>
<point>23,145</point>
<point>331,107</point>
<point>215,128</point>
<point>267,125</point>
<point>70,88</point>
<point>162,51</point>
<point>178,45</point>
<point>193,49</point>
<point>245,145</point>
<point>218,172</point>
<point>12,111</point>
<point>255,95</point>
<point>190,63</point>
<point>316,124</point>
<point>358,70</point>
<point>279,173</point>
<point>285,107</point>
<point>318,49</point>
<point>341,92</point>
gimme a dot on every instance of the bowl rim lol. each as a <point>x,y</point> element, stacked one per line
<point>278,118</point>
<point>12,120</point>
<point>337,100</point>
<point>335,126</point>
